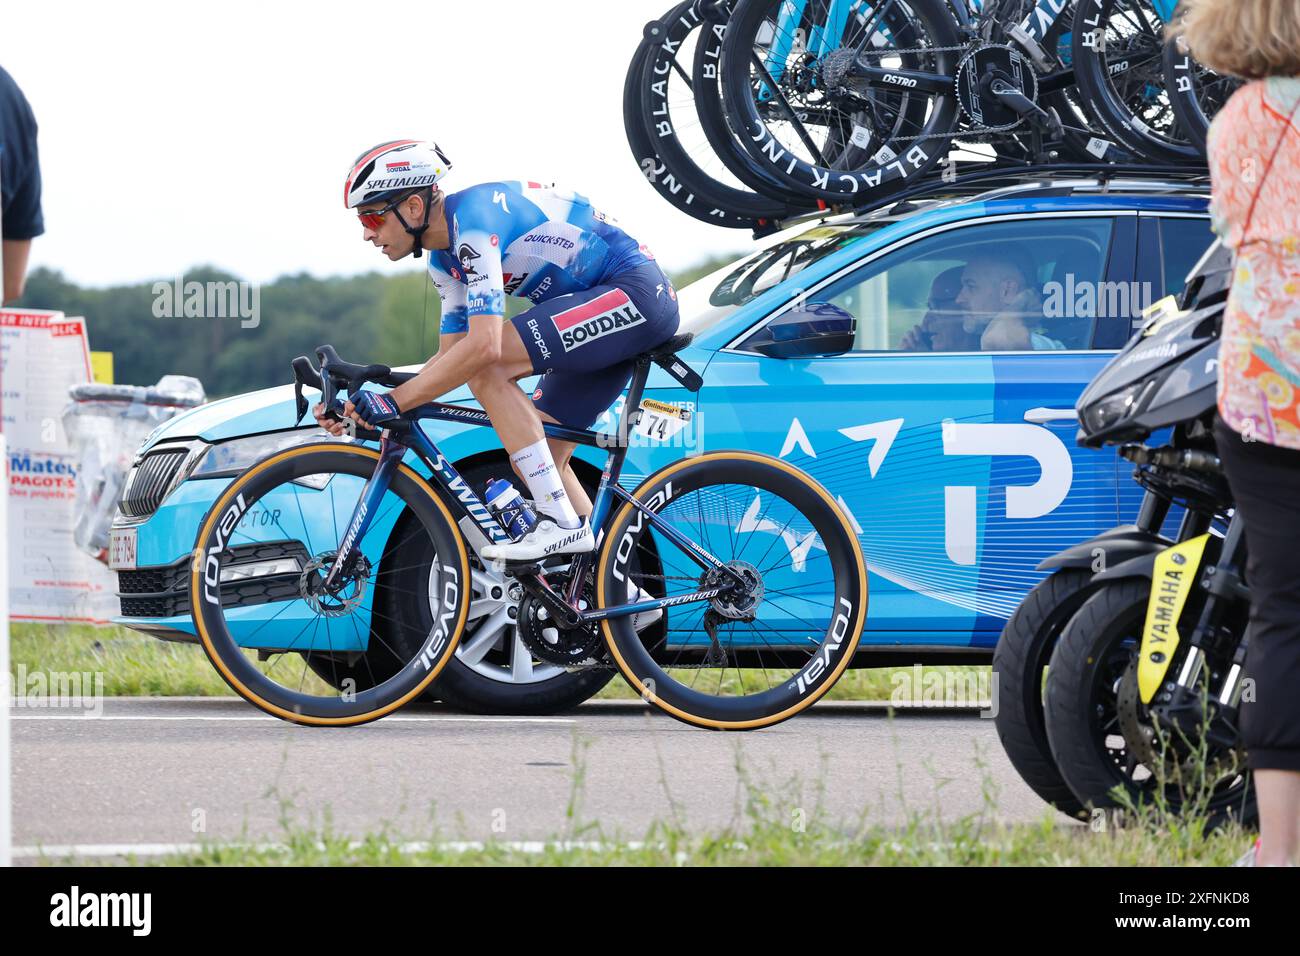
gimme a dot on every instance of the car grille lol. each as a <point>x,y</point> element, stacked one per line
<point>163,591</point>
<point>149,482</point>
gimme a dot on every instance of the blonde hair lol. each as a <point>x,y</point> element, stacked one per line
<point>1253,39</point>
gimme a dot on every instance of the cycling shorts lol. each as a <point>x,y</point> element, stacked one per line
<point>583,344</point>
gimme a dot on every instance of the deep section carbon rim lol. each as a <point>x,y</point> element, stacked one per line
<point>293,642</point>
<point>765,649</point>
<point>1119,66</point>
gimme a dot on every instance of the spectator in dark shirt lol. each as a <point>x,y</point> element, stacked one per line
<point>20,185</point>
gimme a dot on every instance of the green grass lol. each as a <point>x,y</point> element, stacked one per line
<point>132,664</point>
<point>135,664</point>
<point>963,843</point>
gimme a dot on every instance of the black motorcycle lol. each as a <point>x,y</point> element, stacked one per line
<point>1163,379</point>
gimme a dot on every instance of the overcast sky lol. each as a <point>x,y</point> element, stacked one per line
<point>174,134</point>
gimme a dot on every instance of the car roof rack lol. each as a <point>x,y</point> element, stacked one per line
<point>992,181</point>
<point>1049,179</point>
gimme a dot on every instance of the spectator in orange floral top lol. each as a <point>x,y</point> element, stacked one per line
<point>1254,148</point>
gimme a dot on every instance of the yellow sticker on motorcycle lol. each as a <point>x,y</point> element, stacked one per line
<point>1159,314</point>
<point>1172,580</point>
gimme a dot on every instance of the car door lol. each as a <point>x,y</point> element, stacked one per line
<point>1169,246</point>
<point>956,464</point>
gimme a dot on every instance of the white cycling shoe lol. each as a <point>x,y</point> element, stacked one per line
<point>546,539</point>
<point>643,619</point>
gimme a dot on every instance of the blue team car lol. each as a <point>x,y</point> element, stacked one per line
<point>861,348</point>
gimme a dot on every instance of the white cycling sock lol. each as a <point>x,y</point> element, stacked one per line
<point>545,484</point>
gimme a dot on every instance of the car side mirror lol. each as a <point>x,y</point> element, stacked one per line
<point>819,328</point>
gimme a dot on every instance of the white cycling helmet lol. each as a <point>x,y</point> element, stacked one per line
<point>394,167</point>
<point>392,170</point>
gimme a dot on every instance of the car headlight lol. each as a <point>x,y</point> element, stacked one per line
<point>1104,413</point>
<point>231,457</point>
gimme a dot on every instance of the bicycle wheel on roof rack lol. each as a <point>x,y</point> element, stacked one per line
<point>1196,92</point>
<point>844,102</point>
<point>663,132</point>
<point>1119,67</point>
<point>706,78</point>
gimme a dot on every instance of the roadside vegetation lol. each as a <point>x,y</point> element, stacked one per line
<point>137,665</point>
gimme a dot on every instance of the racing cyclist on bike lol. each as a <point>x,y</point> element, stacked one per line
<point>599,299</point>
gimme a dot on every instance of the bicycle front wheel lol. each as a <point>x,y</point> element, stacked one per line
<point>756,654</point>
<point>313,650</point>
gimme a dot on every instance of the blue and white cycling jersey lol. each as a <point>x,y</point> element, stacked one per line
<point>527,240</point>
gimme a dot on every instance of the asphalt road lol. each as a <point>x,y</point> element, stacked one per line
<point>166,771</point>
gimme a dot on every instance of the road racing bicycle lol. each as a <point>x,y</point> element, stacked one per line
<point>366,556</point>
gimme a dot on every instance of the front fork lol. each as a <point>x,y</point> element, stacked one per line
<point>1180,701</point>
<point>391,452</point>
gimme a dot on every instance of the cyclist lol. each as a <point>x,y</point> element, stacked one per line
<point>599,299</point>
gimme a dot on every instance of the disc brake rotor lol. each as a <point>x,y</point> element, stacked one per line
<point>1144,743</point>
<point>348,591</point>
<point>736,603</point>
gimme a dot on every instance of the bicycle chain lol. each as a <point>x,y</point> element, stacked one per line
<point>957,133</point>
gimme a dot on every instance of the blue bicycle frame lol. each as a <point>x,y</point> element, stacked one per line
<point>826,36</point>
<point>395,442</point>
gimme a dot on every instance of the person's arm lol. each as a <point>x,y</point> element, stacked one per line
<point>15,253</point>
<point>1009,330</point>
<point>450,331</point>
<point>479,252</point>
<point>22,221</point>
<point>445,342</point>
<point>1006,333</point>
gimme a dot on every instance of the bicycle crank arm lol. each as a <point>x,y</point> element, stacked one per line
<point>1041,119</point>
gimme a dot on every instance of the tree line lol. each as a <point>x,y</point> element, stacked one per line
<point>392,319</point>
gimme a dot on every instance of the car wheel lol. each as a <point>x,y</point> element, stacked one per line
<point>493,672</point>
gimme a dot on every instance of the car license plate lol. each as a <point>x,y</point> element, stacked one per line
<point>121,549</point>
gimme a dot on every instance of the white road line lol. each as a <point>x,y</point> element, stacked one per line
<point>258,717</point>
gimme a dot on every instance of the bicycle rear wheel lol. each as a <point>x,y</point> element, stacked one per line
<point>358,649</point>
<point>1119,68</point>
<point>784,639</point>
<point>706,77</point>
<point>844,110</point>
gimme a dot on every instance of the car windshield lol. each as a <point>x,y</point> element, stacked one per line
<point>718,294</point>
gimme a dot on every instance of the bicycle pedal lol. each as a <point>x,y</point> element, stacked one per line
<point>522,567</point>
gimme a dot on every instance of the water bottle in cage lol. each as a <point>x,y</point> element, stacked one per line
<point>509,508</point>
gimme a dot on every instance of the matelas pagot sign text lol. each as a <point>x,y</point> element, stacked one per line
<point>42,354</point>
